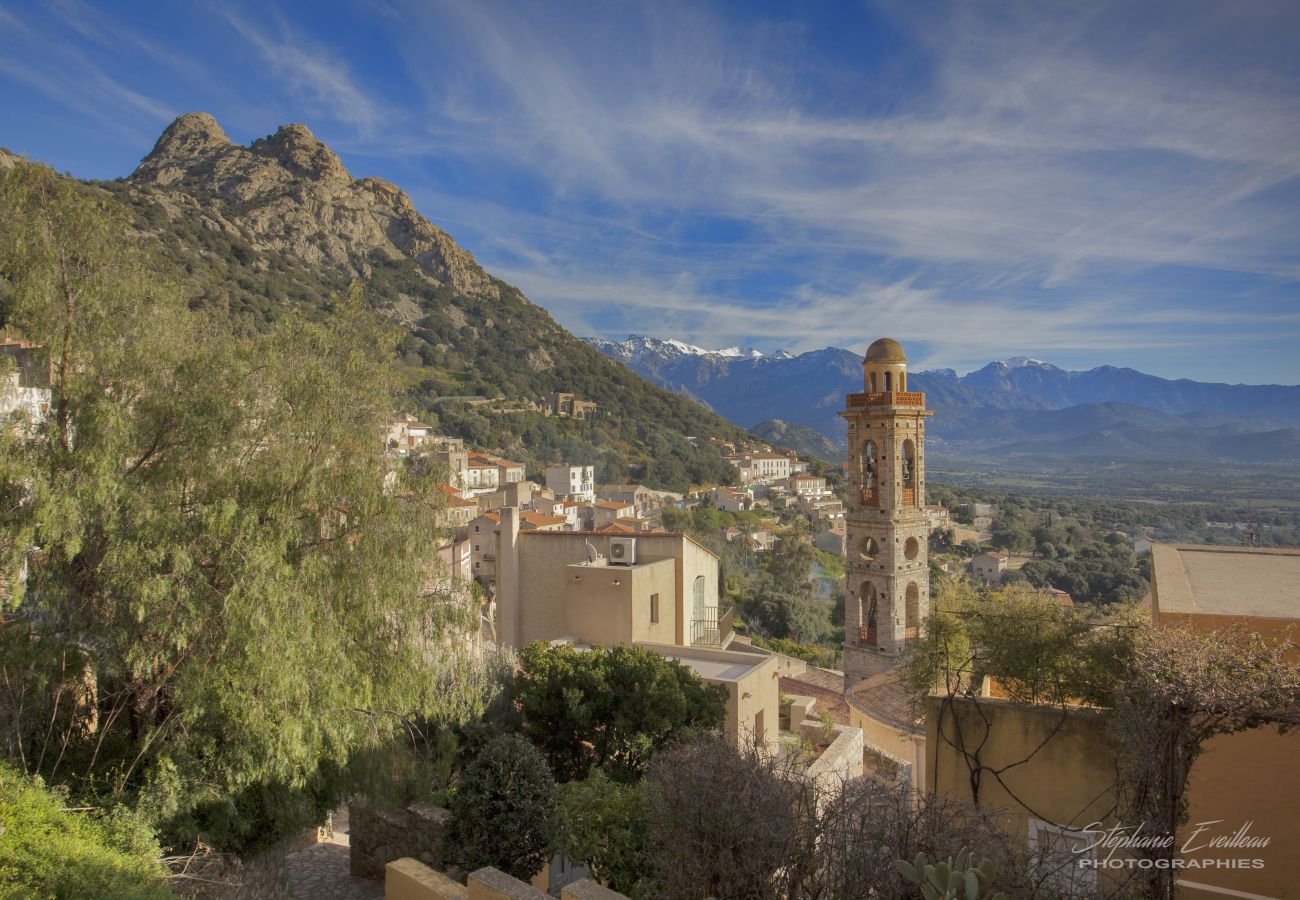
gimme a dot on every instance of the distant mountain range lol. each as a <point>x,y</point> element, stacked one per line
<point>1019,407</point>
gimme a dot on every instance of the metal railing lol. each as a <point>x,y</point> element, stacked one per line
<point>714,629</point>
<point>887,398</point>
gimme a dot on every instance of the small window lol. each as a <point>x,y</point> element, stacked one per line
<point>476,548</point>
<point>476,532</point>
<point>1064,858</point>
<point>654,609</point>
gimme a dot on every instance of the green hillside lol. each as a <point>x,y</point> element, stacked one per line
<point>241,230</point>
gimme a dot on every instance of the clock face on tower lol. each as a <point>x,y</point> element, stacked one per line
<point>887,591</point>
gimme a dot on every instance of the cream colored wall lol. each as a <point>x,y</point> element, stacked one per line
<point>695,561</point>
<point>757,692</point>
<point>1248,777</point>
<point>410,879</point>
<point>1245,777</point>
<point>544,578</point>
<point>1068,779</point>
<point>661,579</point>
<point>909,746</point>
<point>611,604</point>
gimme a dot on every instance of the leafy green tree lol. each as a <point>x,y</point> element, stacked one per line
<point>503,809</point>
<point>609,709</point>
<point>225,600</point>
<point>603,824</point>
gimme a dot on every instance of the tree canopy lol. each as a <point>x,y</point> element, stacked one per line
<point>609,708</point>
<point>225,596</point>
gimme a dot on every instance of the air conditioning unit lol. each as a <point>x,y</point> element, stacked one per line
<point>622,551</point>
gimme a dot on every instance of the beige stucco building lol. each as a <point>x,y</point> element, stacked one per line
<point>655,589</point>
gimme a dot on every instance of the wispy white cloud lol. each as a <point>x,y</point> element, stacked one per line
<point>321,78</point>
<point>66,75</point>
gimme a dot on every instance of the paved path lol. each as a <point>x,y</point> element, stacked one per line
<point>321,871</point>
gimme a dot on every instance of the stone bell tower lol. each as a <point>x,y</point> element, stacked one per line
<point>887,575</point>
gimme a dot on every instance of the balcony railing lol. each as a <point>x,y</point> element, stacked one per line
<point>887,398</point>
<point>714,629</point>
<point>867,634</point>
<point>870,497</point>
<point>909,496</point>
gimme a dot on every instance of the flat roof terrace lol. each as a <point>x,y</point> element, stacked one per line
<point>1248,582</point>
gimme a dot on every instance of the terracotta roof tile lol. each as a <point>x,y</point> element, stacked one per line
<point>886,697</point>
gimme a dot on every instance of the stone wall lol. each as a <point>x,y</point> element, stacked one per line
<point>379,836</point>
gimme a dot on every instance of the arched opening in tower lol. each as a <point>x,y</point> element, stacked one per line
<point>867,608</point>
<point>912,606</point>
<point>909,473</point>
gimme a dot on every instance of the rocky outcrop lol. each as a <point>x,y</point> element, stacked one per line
<point>290,193</point>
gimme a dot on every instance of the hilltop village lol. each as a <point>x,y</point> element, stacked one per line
<point>264,624</point>
<point>565,561</point>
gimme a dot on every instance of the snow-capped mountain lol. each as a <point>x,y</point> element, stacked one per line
<point>639,348</point>
<point>1017,399</point>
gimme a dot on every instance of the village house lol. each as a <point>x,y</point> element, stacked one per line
<point>483,550</point>
<point>647,500</point>
<point>530,520</point>
<point>24,382</point>
<point>831,540</point>
<point>822,510</point>
<point>450,456</point>
<point>523,494</point>
<point>804,485</point>
<point>457,511</point>
<point>732,499</point>
<point>989,566</point>
<point>937,516</point>
<point>407,434</point>
<point>561,404</point>
<point>769,468</point>
<point>659,590</point>
<point>572,482</point>
<point>762,540</point>
<point>608,511</point>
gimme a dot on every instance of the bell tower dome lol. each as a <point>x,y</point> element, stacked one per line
<point>887,590</point>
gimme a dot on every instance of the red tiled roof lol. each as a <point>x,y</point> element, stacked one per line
<point>828,692</point>
<point>884,696</point>
<point>540,520</point>
<point>614,528</point>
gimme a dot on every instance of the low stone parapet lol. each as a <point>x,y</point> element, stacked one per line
<point>380,836</point>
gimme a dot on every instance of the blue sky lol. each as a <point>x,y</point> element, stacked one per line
<point>1083,183</point>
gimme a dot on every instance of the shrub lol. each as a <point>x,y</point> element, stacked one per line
<point>502,809</point>
<point>49,854</point>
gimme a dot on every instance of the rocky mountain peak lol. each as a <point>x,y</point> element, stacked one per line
<point>303,154</point>
<point>290,193</point>
<point>188,140</point>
